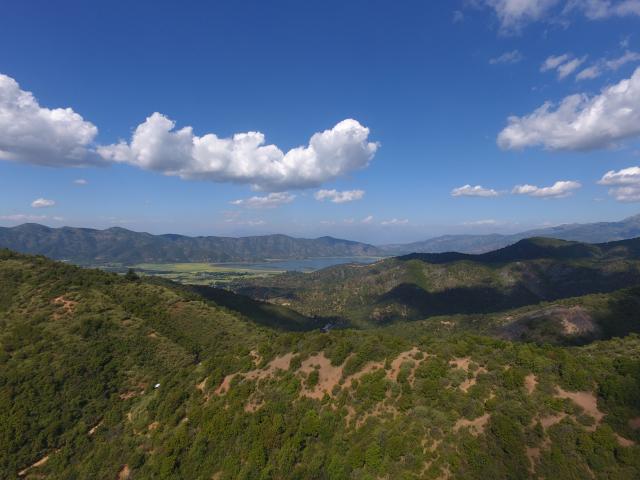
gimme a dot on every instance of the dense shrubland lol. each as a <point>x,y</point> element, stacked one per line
<point>81,352</point>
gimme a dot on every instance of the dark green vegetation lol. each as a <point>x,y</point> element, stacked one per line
<point>239,397</point>
<point>588,232</point>
<point>118,245</point>
<point>418,286</point>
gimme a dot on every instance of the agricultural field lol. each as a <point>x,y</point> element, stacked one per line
<point>202,273</point>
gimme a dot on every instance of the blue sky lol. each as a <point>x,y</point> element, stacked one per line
<point>427,90</point>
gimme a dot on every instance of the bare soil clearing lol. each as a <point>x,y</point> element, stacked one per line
<point>476,426</point>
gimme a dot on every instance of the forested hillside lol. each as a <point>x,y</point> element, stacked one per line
<point>119,245</point>
<point>106,376</point>
<point>417,286</point>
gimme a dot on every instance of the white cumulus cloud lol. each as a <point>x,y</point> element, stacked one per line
<point>272,200</point>
<point>367,220</point>
<point>474,191</point>
<point>339,197</point>
<point>42,136</point>
<point>244,158</point>
<point>625,184</point>
<point>560,189</point>
<point>580,121</point>
<point>80,181</point>
<point>42,203</point>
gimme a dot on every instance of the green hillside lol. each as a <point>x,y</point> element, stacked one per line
<point>423,285</point>
<point>82,351</point>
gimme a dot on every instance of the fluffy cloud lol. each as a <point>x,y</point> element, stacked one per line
<point>244,158</point>
<point>367,220</point>
<point>269,201</point>
<point>60,137</point>
<point>515,14</point>
<point>339,197</point>
<point>559,189</point>
<point>625,183</point>
<point>42,203</point>
<point>513,56</point>
<point>34,134</point>
<point>613,64</point>
<point>80,181</point>
<point>473,191</point>
<point>579,122</point>
<point>564,64</point>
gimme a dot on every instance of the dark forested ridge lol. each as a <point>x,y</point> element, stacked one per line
<point>119,245</point>
<point>422,285</point>
<point>107,376</point>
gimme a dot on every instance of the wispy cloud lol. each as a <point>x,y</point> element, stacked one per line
<point>514,56</point>
<point>42,203</point>
<point>272,200</point>
<point>474,191</point>
<point>339,197</point>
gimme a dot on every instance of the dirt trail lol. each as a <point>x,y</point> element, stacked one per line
<point>37,464</point>
<point>476,426</point>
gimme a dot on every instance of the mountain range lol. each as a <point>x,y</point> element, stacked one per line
<point>423,285</point>
<point>119,245</point>
<point>588,232</point>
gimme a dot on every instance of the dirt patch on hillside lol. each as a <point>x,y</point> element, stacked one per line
<point>256,357</point>
<point>586,400</point>
<point>550,420</point>
<point>65,306</point>
<point>202,385</point>
<point>124,473</point>
<point>328,376</point>
<point>634,423</point>
<point>396,364</point>
<point>278,363</point>
<point>475,426</point>
<point>464,364</point>
<point>624,442</point>
<point>530,383</point>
